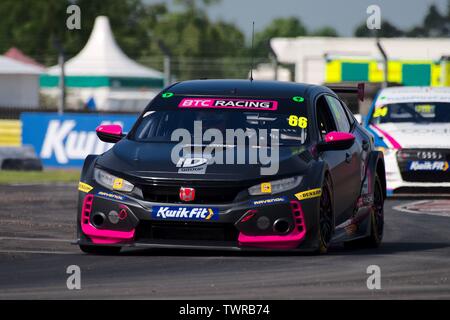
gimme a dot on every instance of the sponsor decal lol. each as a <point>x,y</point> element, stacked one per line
<point>414,97</point>
<point>425,109</point>
<point>84,187</point>
<point>66,140</point>
<point>428,166</point>
<point>266,187</point>
<point>110,195</point>
<point>228,104</point>
<point>184,213</point>
<point>194,165</point>
<point>267,202</point>
<point>313,193</point>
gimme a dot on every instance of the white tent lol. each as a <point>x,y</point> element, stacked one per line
<point>101,70</point>
<point>19,84</point>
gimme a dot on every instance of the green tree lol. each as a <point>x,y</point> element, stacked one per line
<point>197,44</point>
<point>280,27</point>
<point>387,30</point>
<point>325,32</point>
<point>129,19</point>
<point>32,26</point>
<point>35,25</point>
<point>434,24</point>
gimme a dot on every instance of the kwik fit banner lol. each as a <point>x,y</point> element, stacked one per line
<point>66,140</point>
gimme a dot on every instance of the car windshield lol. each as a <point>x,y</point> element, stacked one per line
<point>158,126</point>
<point>416,112</point>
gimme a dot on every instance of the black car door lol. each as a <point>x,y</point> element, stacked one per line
<point>345,166</point>
<point>351,170</point>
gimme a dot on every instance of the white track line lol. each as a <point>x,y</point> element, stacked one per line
<point>38,252</point>
<point>36,239</point>
<point>402,208</point>
<point>44,184</point>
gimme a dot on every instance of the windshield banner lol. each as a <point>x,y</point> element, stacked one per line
<point>225,103</point>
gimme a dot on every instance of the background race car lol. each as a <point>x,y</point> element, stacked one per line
<point>411,125</point>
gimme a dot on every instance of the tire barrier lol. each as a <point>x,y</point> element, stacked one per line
<point>10,133</point>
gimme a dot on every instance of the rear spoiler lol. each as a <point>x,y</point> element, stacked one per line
<point>359,90</point>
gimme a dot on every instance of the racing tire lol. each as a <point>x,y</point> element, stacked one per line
<point>377,217</point>
<point>326,218</point>
<point>100,250</point>
<point>373,240</point>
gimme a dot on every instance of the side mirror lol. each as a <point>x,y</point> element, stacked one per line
<point>336,141</point>
<point>111,133</point>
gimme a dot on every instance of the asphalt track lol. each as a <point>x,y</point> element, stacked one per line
<point>37,224</point>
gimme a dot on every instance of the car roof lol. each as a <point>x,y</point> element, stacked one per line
<point>413,94</point>
<point>245,88</point>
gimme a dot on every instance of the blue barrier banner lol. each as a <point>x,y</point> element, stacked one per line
<point>66,140</point>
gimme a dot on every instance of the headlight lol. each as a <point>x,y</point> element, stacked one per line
<point>112,182</point>
<point>275,187</point>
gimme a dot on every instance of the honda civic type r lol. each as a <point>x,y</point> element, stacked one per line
<point>305,174</point>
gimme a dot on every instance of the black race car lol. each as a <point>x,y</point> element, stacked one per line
<point>234,164</point>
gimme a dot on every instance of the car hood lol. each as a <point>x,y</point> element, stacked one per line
<point>413,135</point>
<point>153,161</point>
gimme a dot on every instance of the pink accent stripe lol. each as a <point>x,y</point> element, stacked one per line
<point>394,142</point>
<point>106,236</point>
<point>288,241</point>
<point>98,235</point>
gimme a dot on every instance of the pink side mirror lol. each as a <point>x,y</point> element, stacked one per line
<point>111,133</point>
<point>339,136</point>
<point>337,141</point>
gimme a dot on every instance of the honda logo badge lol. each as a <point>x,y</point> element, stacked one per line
<point>187,194</point>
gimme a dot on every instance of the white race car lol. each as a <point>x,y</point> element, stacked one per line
<point>411,125</point>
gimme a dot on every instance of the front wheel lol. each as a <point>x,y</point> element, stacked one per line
<point>100,250</point>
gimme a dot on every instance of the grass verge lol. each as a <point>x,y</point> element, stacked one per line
<point>46,176</point>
